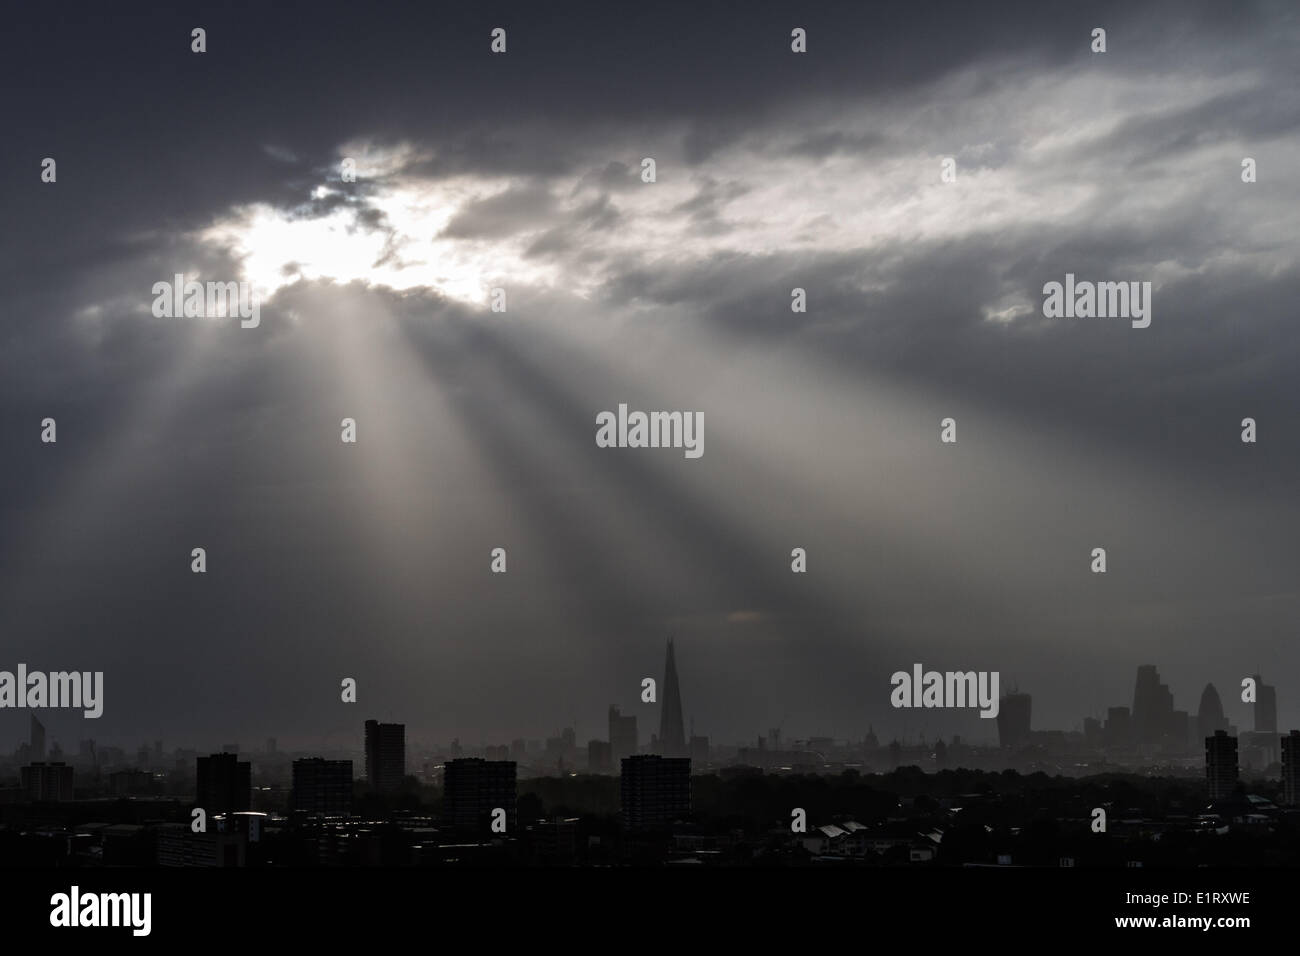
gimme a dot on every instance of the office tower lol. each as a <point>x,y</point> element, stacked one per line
<point>656,791</point>
<point>1209,716</point>
<point>518,749</point>
<point>672,732</point>
<point>598,757</point>
<point>473,788</point>
<point>1265,738</point>
<point>622,736</point>
<point>698,748</point>
<point>322,786</point>
<point>385,755</point>
<point>270,745</point>
<point>1265,707</point>
<point>1093,736</point>
<point>37,753</point>
<point>47,782</point>
<point>1220,765</point>
<point>1291,769</point>
<point>1118,732</point>
<point>224,783</point>
<point>1153,709</point>
<point>1013,720</point>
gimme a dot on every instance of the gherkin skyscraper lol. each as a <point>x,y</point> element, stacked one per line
<point>672,733</point>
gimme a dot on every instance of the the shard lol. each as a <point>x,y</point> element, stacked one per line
<point>672,731</point>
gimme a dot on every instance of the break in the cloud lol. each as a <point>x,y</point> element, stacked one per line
<point>476,428</point>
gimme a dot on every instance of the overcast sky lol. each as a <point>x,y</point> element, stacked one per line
<point>476,429</point>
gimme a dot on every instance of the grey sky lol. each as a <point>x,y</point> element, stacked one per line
<point>476,429</point>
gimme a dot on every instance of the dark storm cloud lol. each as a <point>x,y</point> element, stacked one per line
<point>775,171</point>
<point>830,142</point>
<point>614,175</point>
<point>705,206</point>
<point>507,213</point>
<point>598,215</point>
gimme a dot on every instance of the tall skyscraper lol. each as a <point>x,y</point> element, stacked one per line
<point>473,789</point>
<point>1291,769</point>
<point>1209,716</point>
<point>1220,765</point>
<point>224,783</point>
<point>1013,719</point>
<point>322,786</point>
<point>1153,709</point>
<point>1266,718</point>
<point>38,740</point>
<point>655,790</point>
<point>672,730</point>
<point>622,735</point>
<point>385,755</point>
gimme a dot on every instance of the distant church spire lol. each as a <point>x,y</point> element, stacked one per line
<point>672,736</point>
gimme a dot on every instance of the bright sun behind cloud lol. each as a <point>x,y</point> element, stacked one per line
<point>390,239</point>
